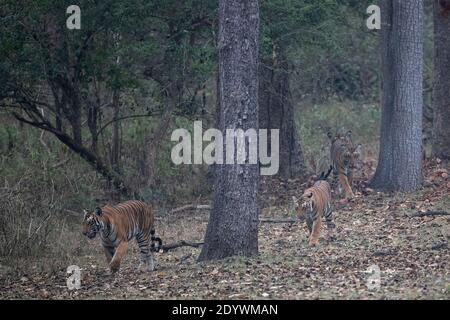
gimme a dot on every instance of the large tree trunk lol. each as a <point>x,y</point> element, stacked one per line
<point>233,223</point>
<point>441,94</point>
<point>400,158</point>
<point>277,112</point>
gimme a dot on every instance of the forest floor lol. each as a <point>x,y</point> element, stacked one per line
<point>376,231</point>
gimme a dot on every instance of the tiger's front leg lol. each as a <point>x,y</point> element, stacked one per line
<point>301,213</point>
<point>109,252</point>
<point>118,255</point>
<point>315,231</point>
<point>350,179</point>
<point>345,185</point>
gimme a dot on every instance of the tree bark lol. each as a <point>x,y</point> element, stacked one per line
<point>115,143</point>
<point>233,225</point>
<point>441,93</point>
<point>400,158</point>
<point>153,144</point>
<point>277,112</point>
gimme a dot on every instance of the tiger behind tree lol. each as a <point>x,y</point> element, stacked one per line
<point>118,225</point>
<point>343,157</point>
<point>316,202</point>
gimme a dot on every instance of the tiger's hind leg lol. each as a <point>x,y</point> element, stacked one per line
<point>146,255</point>
<point>328,217</point>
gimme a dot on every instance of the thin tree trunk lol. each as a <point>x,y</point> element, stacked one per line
<point>441,94</point>
<point>400,158</point>
<point>154,144</point>
<point>277,112</point>
<point>115,143</point>
<point>233,225</point>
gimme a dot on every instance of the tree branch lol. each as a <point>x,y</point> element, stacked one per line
<point>181,243</point>
<point>86,154</point>
<point>277,220</point>
<point>124,118</point>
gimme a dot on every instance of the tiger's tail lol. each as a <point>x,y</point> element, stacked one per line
<point>155,239</point>
<point>324,176</point>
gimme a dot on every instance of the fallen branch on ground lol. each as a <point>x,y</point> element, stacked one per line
<point>430,213</point>
<point>278,220</point>
<point>181,243</point>
<point>191,207</point>
<point>439,245</point>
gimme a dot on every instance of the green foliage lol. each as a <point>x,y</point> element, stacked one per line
<point>314,121</point>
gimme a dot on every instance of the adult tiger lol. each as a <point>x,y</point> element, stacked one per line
<point>118,225</point>
<point>343,157</point>
<point>316,202</point>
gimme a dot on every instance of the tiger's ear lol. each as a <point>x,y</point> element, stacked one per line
<point>349,134</point>
<point>85,213</point>
<point>358,150</point>
<point>330,135</point>
<point>309,195</point>
<point>98,211</point>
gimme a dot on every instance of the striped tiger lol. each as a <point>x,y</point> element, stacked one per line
<point>316,203</point>
<point>343,157</point>
<point>119,224</point>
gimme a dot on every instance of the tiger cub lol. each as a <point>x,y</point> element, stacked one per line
<point>343,157</point>
<point>119,224</point>
<point>316,202</point>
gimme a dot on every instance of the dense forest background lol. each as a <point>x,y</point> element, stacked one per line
<point>86,115</point>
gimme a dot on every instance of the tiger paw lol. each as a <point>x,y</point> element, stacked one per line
<point>114,266</point>
<point>331,225</point>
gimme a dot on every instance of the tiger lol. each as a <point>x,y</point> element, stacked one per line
<point>316,202</point>
<point>119,224</point>
<point>343,157</point>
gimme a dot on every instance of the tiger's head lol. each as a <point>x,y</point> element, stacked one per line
<point>350,152</point>
<point>308,200</point>
<point>92,223</point>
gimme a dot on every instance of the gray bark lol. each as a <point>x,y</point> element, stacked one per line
<point>277,112</point>
<point>115,143</point>
<point>400,158</point>
<point>441,93</point>
<point>233,225</point>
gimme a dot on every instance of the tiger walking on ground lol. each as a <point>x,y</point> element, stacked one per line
<point>119,224</point>
<point>316,203</point>
<point>343,157</point>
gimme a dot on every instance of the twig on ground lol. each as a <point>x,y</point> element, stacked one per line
<point>277,220</point>
<point>185,257</point>
<point>430,213</point>
<point>181,243</point>
<point>439,245</point>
